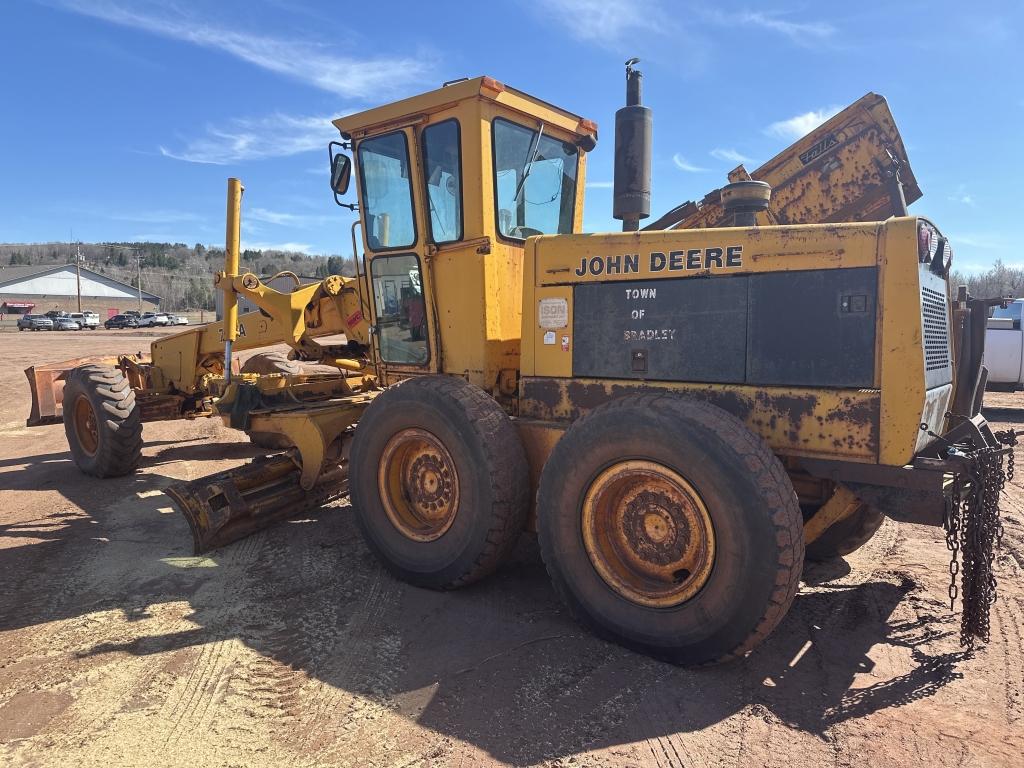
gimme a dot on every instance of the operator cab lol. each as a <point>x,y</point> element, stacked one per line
<point>450,184</point>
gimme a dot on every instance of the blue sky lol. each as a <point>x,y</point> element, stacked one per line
<point>121,120</point>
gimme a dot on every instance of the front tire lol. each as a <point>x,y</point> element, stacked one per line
<point>669,527</point>
<point>439,481</point>
<point>102,421</point>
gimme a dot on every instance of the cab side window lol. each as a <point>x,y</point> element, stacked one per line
<point>442,163</point>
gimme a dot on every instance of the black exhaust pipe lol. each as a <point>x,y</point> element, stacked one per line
<point>633,123</point>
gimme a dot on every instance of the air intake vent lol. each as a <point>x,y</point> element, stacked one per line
<point>936,330</point>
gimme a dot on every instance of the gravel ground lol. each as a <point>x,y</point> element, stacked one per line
<point>293,647</point>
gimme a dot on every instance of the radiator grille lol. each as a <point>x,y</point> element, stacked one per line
<point>936,329</point>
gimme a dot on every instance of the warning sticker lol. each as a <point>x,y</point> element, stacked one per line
<point>553,313</point>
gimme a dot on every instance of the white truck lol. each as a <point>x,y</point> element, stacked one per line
<point>85,320</point>
<point>1004,347</point>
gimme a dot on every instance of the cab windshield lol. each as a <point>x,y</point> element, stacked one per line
<point>534,181</point>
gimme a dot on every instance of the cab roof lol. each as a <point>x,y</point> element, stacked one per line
<point>386,116</point>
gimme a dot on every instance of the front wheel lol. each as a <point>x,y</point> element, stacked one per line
<point>102,421</point>
<point>439,481</point>
<point>669,527</point>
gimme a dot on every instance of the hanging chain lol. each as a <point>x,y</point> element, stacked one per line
<point>973,532</point>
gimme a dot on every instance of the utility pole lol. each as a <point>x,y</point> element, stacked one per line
<point>78,273</point>
<point>138,264</point>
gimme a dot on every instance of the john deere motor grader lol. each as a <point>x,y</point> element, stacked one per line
<point>679,413</point>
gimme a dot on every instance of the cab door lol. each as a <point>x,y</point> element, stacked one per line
<point>397,276</point>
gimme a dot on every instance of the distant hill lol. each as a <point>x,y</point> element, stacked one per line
<point>182,275</point>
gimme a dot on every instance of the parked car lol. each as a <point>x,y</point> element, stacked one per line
<point>34,323</point>
<point>88,320</point>
<point>121,321</point>
<point>66,323</point>
<point>152,319</point>
<point>178,319</point>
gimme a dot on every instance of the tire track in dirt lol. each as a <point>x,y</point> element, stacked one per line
<point>312,631</point>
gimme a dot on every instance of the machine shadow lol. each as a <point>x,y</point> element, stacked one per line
<point>308,594</point>
<point>1002,413</point>
<point>36,475</point>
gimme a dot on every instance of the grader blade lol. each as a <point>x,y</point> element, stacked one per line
<point>231,505</point>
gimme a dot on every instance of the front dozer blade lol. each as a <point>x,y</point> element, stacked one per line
<point>230,505</point>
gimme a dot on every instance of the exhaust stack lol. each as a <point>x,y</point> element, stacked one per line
<point>633,126</point>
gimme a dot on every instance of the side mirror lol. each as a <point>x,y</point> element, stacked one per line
<point>341,173</point>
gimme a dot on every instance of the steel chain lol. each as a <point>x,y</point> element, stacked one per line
<point>973,532</point>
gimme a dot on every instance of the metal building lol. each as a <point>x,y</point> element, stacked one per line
<point>38,289</point>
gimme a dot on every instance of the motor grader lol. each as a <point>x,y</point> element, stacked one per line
<point>681,414</point>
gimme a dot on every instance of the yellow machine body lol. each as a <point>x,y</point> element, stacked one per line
<point>875,419</point>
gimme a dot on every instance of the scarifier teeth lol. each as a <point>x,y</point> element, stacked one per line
<point>231,505</point>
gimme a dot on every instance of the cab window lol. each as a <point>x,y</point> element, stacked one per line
<point>387,192</point>
<point>1011,311</point>
<point>534,181</point>
<point>443,174</point>
<point>401,309</point>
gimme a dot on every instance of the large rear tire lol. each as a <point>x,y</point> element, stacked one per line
<point>669,527</point>
<point>439,481</point>
<point>102,421</point>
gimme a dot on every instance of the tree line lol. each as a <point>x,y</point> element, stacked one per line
<point>997,280</point>
<point>181,275</point>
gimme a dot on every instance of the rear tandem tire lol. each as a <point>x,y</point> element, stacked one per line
<point>669,527</point>
<point>102,421</point>
<point>439,481</point>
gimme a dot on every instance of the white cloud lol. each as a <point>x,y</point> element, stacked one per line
<point>799,126</point>
<point>800,32</point>
<point>962,196</point>
<point>314,63</point>
<point>155,217</point>
<point>275,135</point>
<point>287,219</point>
<point>156,237</point>
<point>601,184</point>
<point>295,247</point>
<point>729,156</point>
<point>985,241</point>
<point>685,165</point>
<point>606,21</point>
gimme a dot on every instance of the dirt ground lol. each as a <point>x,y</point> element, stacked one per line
<point>294,647</point>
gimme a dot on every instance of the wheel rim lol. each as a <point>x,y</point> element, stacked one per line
<point>86,429</point>
<point>648,533</point>
<point>418,485</point>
